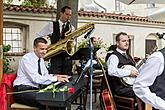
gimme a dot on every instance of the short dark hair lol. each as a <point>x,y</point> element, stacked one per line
<point>39,40</point>
<point>92,38</point>
<point>65,7</point>
<point>118,35</point>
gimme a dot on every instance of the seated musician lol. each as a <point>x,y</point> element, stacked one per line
<point>96,65</point>
<point>31,73</point>
<point>114,65</point>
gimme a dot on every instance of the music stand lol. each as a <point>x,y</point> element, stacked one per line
<point>82,74</point>
<point>83,53</point>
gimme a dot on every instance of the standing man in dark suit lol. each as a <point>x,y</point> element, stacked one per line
<point>60,64</point>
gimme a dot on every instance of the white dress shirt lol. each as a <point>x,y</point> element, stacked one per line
<point>27,73</point>
<point>153,67</point>
<point>48,29</point>
<point>112,64</point>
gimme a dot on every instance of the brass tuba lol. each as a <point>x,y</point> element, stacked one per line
<point>67,44</point>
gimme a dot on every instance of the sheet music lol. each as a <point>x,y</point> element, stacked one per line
<point>87,65</point>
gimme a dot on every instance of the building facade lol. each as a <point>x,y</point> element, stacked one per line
<point>22,23</point>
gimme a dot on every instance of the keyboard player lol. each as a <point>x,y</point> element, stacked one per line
<point>31,73</point>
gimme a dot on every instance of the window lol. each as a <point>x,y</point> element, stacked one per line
<point>117,5</point>
<point>151,5</point>
<point>150,46</point>
<point>12,36</point>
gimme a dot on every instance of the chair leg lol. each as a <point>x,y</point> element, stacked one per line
<point>95,89</point>
<point>86,95</point>
<point>148,107</point>
<point>140,104</point>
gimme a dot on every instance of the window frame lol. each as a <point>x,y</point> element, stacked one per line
<point>23,35</point>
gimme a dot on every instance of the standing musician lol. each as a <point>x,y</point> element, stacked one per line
<point>149,85</point>
<point>60,64</point>
<point>117,59</point>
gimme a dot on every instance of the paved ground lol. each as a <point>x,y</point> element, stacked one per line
<point>95,105</point>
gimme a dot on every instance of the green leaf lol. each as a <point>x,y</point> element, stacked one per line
<point>6,60</point>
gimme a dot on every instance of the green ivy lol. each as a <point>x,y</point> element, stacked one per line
<point>85,43</point>
<point>7,60</point>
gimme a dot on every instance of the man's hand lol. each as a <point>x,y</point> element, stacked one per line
<point>62,78</point>
<point>134,73</point>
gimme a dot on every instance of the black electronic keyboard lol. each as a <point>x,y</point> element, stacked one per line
<point>63,99</point>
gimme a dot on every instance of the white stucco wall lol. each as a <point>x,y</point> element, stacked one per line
<point>35,23</point>
<point>104,28</point>
<point>140,30</point>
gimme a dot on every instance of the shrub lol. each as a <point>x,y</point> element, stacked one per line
<point>7,60</point>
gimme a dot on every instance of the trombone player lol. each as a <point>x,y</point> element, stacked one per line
<point>60,64</point>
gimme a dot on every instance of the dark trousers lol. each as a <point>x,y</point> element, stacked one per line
<point>119,88</point>
<point>126,92</point>
<point>61,64</point>
<point>28,98</point>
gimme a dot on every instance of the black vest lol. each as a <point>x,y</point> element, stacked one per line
<point>56,32</point>
<point>60,64</point>
<point>115,82</point>
<point>123,60</point>
<point>158,86</point>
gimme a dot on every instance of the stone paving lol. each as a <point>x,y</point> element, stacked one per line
<point>95,105</point>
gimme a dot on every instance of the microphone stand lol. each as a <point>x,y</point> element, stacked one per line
<point>91,67</point>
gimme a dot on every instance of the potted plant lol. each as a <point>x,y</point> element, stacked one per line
<point>84,43</point>
<point>99,44</point>
<point>7,60</point>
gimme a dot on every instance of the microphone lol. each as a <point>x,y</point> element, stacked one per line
<point>88,33</point>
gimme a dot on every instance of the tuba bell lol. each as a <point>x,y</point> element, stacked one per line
<point>67,44</point>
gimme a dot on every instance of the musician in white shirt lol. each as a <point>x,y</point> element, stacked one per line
<point>29,76</point>
<point>149,84</point>
<point>60,64</point>
<point>115,70</point>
